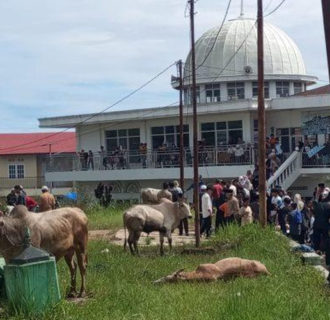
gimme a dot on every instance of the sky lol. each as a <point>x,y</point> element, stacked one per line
<point>68,57</point>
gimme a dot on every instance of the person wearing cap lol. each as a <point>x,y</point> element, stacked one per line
<point>47,201</point>
<point>20,195</point>
<point>207,210</point>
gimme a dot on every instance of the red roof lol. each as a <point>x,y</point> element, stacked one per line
<point>37,143</point>
<point>316,91</point>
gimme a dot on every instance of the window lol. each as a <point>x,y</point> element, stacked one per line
<point>297,87</point>
<point>127,138</point>
<point>255,89</point>
<point>187,95</point>
<point>16,171</point>
<point>282,88</point>
<point>289,138</point>
<point>235,90</point>
<point>212,92</point>
<point>170,135</point>
<point>222,133</point>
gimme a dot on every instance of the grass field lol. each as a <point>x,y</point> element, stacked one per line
<point>106,218</point>
<point>120,285</point>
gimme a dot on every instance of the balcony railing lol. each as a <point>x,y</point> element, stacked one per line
<point>317,161</point>
<point>220,156</point>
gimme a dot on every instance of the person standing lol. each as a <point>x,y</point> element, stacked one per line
<point>11,198</point>
<point>20,195</point>
<point>47,201</point>
<point>246,212</point>
<point>90,163</point>
<point>207,211</point>
<point>233,206</point>
<point>295,222</point>
<point>283,214</point>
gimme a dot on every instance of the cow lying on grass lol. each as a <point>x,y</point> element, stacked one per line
<point>62,232</point>
<point>154,196</point>
<point>223,269</point>
<point>164,217</point>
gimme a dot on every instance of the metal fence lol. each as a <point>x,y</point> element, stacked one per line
<point>220,156</point>
<point>317,161</point>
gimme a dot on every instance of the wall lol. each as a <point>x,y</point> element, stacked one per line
<point>91,137</point>
<point>29,162</point>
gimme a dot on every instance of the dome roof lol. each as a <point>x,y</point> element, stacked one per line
<point>281,55</point>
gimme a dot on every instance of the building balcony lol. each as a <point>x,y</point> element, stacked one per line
<point>224,161</point>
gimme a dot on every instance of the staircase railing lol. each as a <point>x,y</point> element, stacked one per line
<point>287,173</point>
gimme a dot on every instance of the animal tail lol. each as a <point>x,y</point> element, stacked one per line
<point>125,240</point>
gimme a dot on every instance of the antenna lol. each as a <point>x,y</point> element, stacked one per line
<point>242,8</point>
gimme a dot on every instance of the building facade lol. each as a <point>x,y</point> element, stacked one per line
<point>23,160</point>
<point>141,146</point>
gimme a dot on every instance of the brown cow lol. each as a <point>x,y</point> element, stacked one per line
<point>62,232</point>
<point>223,269</point>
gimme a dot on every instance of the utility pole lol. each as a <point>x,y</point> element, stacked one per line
<point>326,21</point>
<point>261,119</point>
<point>195,137</point>
<point>179,65</point>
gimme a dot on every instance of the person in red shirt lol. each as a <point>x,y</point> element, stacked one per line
<point>31,204</point>
<point>217,190</point>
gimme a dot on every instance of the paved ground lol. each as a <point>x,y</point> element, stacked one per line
<point>153,238</point>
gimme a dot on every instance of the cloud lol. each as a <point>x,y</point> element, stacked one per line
<point>69,56</point>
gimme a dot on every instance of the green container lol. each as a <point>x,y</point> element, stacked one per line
<point>32,287</point>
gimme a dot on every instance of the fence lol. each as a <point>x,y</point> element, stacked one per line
<point>220,156</point>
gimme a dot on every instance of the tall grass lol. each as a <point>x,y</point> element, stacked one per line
<point>121,286</point>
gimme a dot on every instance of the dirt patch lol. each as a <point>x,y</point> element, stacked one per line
<point>101,235</point>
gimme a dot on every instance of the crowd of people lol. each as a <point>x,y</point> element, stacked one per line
<point>18,196</point>
<point>305,220</point>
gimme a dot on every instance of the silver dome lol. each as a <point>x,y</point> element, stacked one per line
<point>282,57</point>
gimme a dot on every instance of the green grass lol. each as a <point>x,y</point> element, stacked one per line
<point>106,218</point>
<point>120,285</point>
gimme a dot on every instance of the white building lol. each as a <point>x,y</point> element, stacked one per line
<point>227,115</point>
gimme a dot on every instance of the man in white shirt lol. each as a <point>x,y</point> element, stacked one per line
<point>207,211</point>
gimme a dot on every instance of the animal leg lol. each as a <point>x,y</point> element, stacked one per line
<point>161,240</point>
<point>130,241</point>
<point>82,263</point>
<point>136,239</point>
<point>73,271</point>
<point>169,237</point>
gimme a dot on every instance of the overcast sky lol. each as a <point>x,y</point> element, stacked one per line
<point>77,56</point>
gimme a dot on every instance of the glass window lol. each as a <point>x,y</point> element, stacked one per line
<point>255,89</point>
<point>235,124</point>
<point>111,133</point>
<point>209,138</point>
<point>123,137</point>
<point>297,87</point>
<point>207,126</point>
<point>12,171</point>
<point>20,171</point>
<point>133,132</point>
<point>221,125</point>
<point>235,90</point>
<point>212,93</point>
<point>282,88</point>
<point>221,133</point>
<point>170,135</point>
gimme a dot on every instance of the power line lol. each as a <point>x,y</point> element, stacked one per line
<point>216,38</point>
<point>96,114</point>
<point>275,9</point>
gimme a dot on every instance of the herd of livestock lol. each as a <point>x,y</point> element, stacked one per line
<point>64,233</point>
